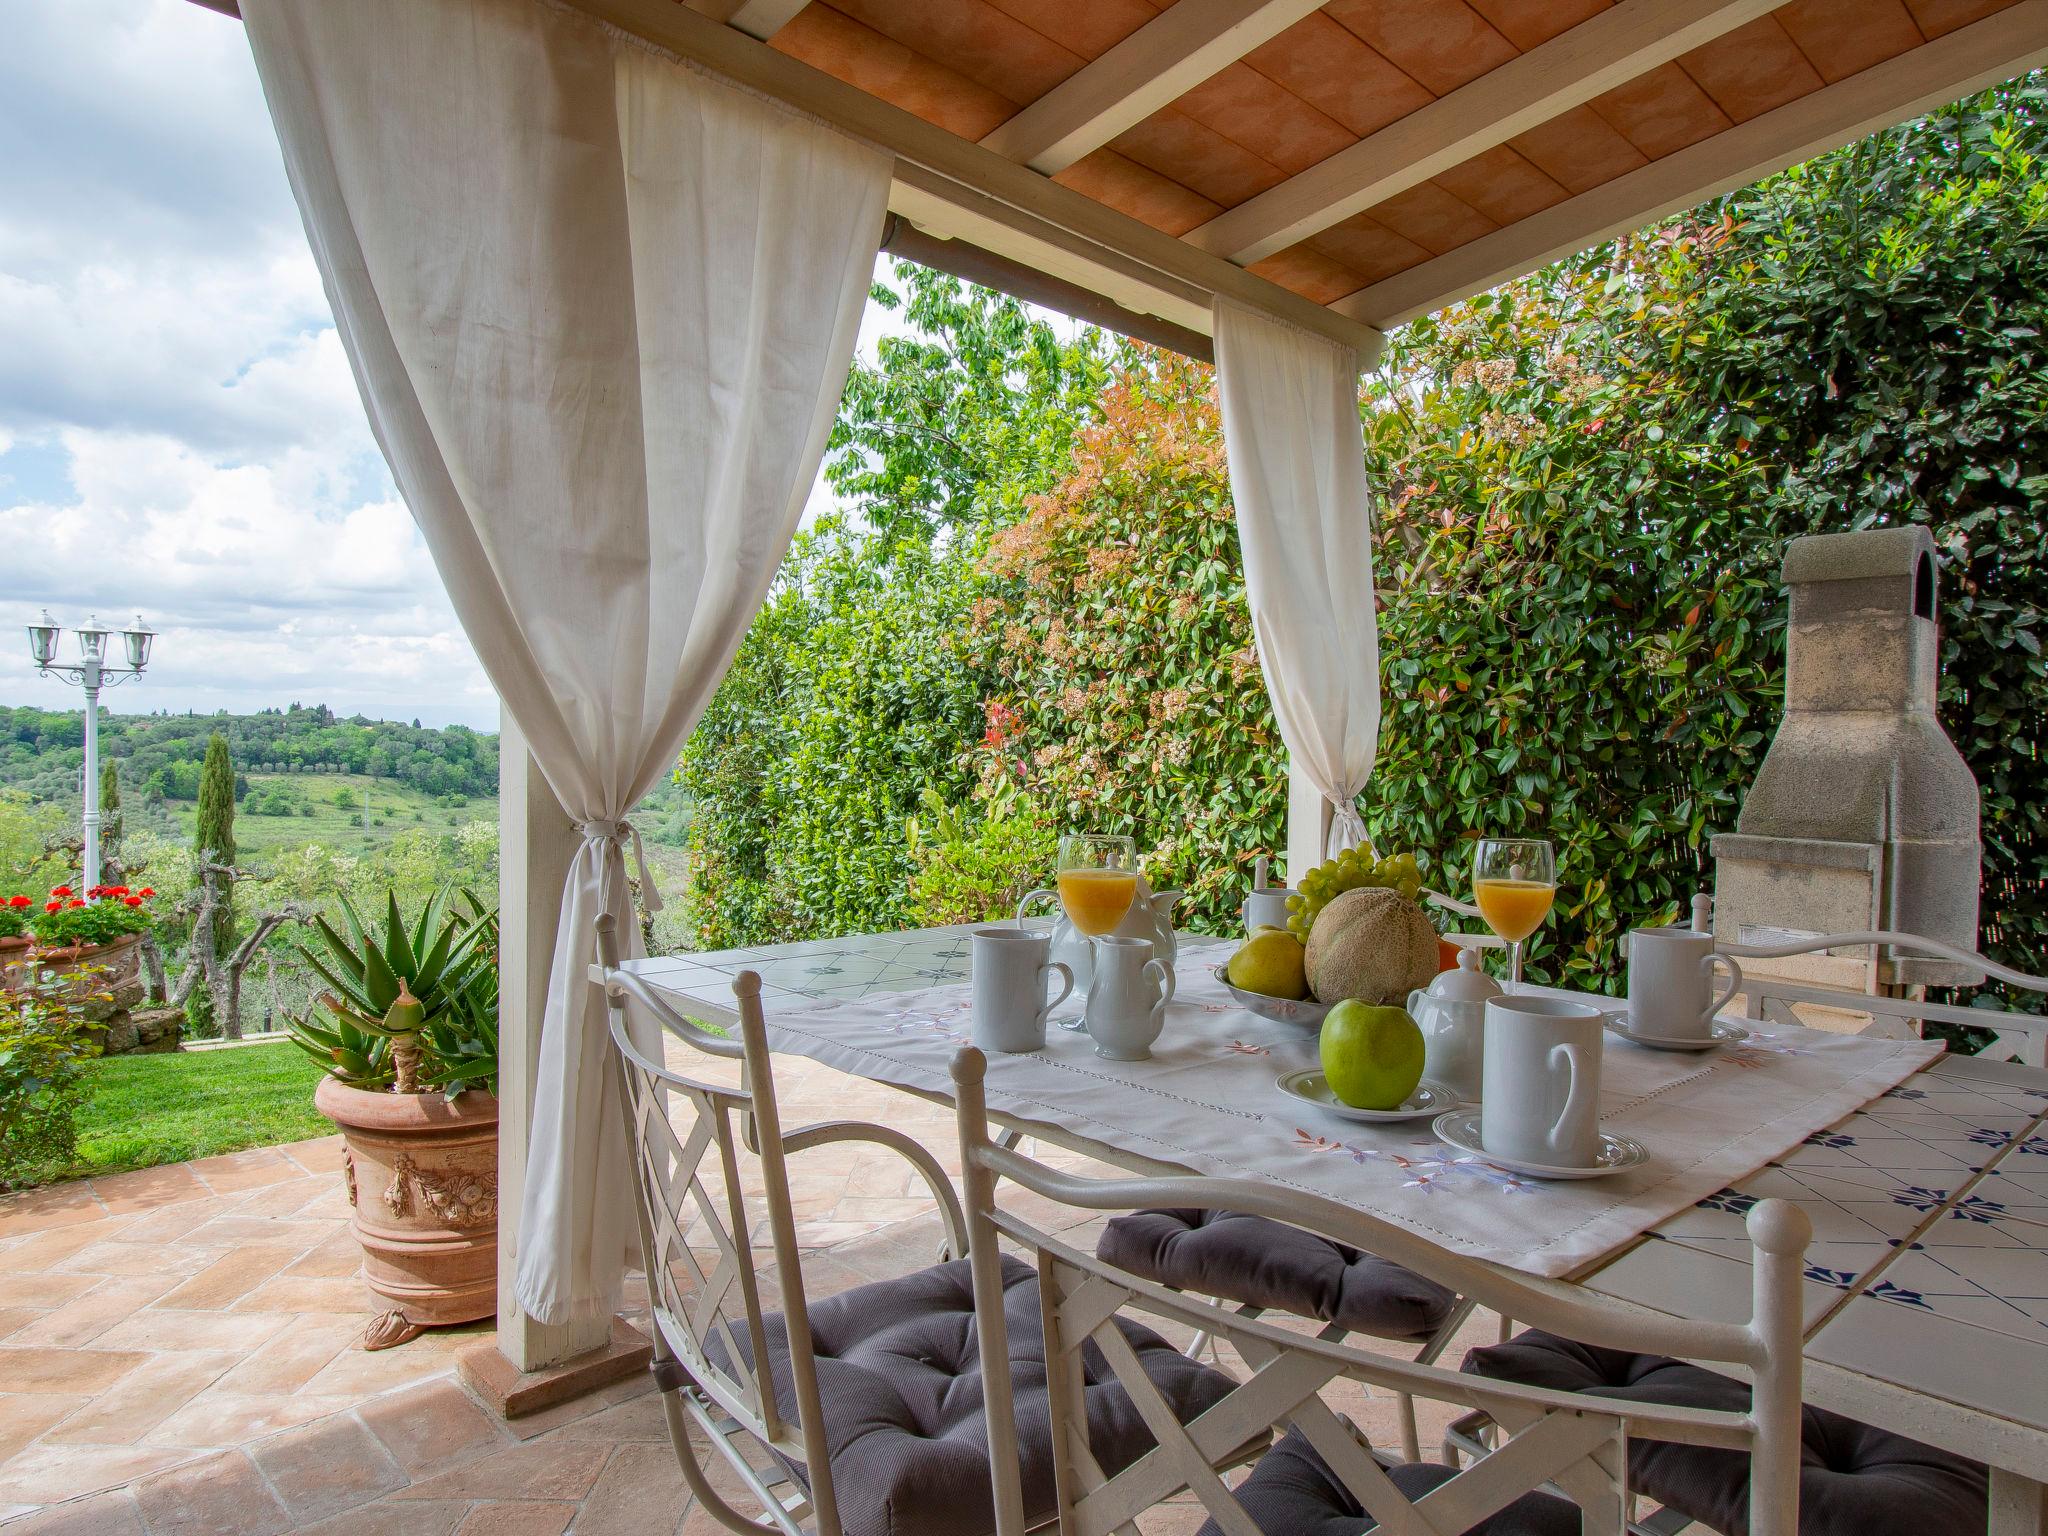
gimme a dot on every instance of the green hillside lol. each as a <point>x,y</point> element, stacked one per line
<point>283,811</point>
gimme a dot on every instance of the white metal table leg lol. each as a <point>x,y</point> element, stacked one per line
<point>2019,1505</point>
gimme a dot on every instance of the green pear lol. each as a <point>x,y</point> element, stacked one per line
<point>1271,963</point>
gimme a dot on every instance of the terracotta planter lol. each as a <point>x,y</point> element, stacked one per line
<point>13,962</point>
<point>423,1177</point>
<point>115,964</point>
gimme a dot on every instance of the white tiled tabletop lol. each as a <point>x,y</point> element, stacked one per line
<point>1927,1281</point>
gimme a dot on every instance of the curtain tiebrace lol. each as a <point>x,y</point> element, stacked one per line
<point>617,832</point>
<point>1347,827</point>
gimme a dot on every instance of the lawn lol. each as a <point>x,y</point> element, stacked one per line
<point>146,1110</point>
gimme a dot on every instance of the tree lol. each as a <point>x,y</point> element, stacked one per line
<point>110,811</point>
<point>213,842</point>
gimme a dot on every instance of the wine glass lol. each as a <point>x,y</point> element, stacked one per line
<point>1098,880</point>
<point>1514,881</point>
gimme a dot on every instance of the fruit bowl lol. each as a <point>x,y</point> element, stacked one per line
<point>1281,1010</point>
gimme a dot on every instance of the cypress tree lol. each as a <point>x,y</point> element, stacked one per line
<point>214,841</point>
<point>110,813</point>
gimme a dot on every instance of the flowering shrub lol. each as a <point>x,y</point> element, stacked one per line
<point>14,911</point>
<point>44,1045</point>
<point>113,912</point>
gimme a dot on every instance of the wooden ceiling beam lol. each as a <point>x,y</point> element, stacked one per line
<point>764,18</point>
<point>1973,58</point>
<point>1610,49</point>
<point>1162,60</point>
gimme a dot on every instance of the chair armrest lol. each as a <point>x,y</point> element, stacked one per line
<point>826,1132</point>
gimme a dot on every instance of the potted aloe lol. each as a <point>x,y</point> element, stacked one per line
<point>408,1033</point>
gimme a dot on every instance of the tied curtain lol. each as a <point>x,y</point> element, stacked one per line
<point>600,306</point>
<point>1304,520</point>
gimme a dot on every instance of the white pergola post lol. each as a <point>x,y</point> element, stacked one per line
<point>536,841</point>
<point>1308,823</point>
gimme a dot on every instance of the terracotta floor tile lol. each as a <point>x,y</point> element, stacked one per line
<point>80,1322</point>
<point>229,1277</point>
<point>640,1421</point>
<point>391,1517</point>
<point>639,1493</point>
<point>50,1474</point>
<point>147,1188</point>
<point>64,1370</point>
<point>12,1319</point>
<point>290,1360</point>
<point>309,1293</point>
<point>104,1514</point>
<point>284,1198</point>
<point>361,1373</point>
<point>172,1223</point>
<point>47,1250</point>
<point>220,1418</point>
<point>142,1399</point>
<point>337,1258</point>
<point>432,1427</point>
<point>25,1415</point>
<point>221,1495</point>
<point>61,1205</point>
<point>234,1230</point>
<point>517,1518</point>
<point>320,1155</point>
<point>545,1469</point>
<point>107,1257</point>
<point>326,1467</point>
<point>234,1171</point>
<point>47,1289</point>
<point>168,1328</point>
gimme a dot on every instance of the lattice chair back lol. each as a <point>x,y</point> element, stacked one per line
<point>1556,1438</point>
<point>691,1141</point>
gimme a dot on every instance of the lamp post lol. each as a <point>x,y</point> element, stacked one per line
<point>91,673</point>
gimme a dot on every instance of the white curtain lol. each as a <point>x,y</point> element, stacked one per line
<point>1304,519</point>
<point>600,306</point>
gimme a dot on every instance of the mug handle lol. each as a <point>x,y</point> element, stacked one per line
<point>1166,985</point>
<point>1029,897</point>
<point>1577,1097</point>
<point>1734,982</point>
<point>1065,992</point>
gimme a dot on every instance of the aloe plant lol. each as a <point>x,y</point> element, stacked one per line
<point>412,1007</point>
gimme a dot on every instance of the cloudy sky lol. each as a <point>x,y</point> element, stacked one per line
<point>178,428</point>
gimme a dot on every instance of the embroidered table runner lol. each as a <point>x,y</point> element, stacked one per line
<point>1206,1101</point>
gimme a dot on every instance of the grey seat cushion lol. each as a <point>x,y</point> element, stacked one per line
<point>1854,1480</point>
<point>1261,1263</point>
<point>1293,1492</point>
<point>899,1375</point>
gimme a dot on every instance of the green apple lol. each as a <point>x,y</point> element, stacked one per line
<point>1271,963</point>
<point>1372,1057</point>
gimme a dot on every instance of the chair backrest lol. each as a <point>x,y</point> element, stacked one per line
<point>1556,1437</point>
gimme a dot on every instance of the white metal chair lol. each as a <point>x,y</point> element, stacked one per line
<point>1557,1438</point>
<point>862,1410</point>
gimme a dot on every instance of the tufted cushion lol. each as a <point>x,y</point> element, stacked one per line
<point>899,1376</point>
<point>1293,1492</point>
<point>1261,1263</point>
<point>1854,1480</point>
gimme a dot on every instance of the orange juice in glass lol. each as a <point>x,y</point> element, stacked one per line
<point>1097,880</point>
<point>1514,882</point>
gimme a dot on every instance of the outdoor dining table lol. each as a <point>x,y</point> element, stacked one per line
<point>1927,1282</point>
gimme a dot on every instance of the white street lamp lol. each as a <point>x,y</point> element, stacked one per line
<point>92,674</point>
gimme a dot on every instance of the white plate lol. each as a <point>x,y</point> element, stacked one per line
<point>1460,1129</point>
<point>1281,1010</point>
<point>1721,1034</point>
<point>1311,1087</point>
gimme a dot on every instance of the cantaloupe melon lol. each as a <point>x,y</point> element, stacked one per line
<point>1372,944</point>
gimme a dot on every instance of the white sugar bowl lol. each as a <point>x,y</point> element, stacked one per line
<point>1451,1012</point>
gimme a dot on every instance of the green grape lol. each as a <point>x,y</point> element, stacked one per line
<point>1351,870</point>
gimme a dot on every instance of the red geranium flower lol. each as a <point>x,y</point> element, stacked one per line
<point>18,901</point>
<point>53,906</point>
<point>145,892</point>
<point>131,901</point>
<point>60,890</point>
<point>76,902</point>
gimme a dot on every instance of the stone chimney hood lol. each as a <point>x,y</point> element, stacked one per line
<point>1863,814</point>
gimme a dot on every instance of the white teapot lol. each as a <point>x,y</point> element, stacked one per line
<point>1451,1013</point>
<point>1150,918</point>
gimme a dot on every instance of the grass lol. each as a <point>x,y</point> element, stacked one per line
<point>142,1111</point>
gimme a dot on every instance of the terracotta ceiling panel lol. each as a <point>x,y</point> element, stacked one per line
<point>1936,17</point>
<point>1502,185</point>
<point>1089,28</point>
<point>1331,68</point>
<point>971,38</point>
<point>1433,218</point>
<point>1369,248</point>
<point>1525,23</point>
<point>1579,151</point>
<point>1310,273</point>
<point>1661,112</point>
<point>1442,44</point>
<point>1841,38</point>
<point>1752,69</point>
<point>840,46</point>
<point>1145,195</point>
<point>1266,118</point>
<point>1198,157</point>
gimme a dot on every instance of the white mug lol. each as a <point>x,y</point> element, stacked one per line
<point>1012,970</point>
<point>1541,1093</point>
<point>1671,982</point>
<point>1266,909</point>
<point>1127,1003</point>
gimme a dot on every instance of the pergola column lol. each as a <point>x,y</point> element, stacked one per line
<point>1308,823</point>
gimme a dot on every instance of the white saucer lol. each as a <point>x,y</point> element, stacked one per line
<point>1460,1129</point>
<point>1721,1034</point>
<point>1311,1087</point>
